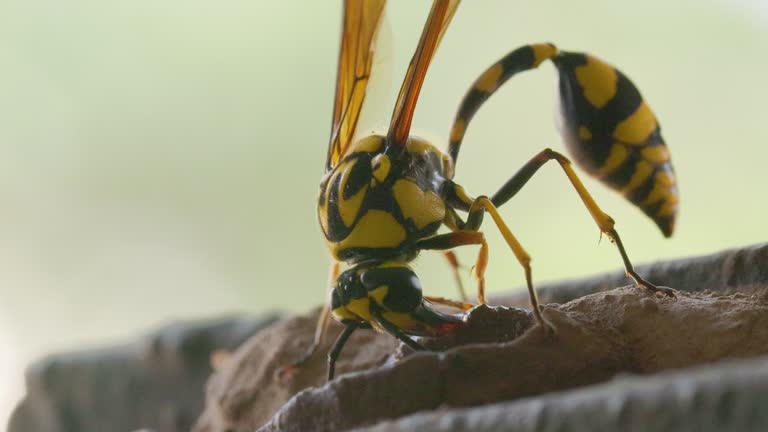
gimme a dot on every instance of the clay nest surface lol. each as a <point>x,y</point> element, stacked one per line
<point>501,356</point>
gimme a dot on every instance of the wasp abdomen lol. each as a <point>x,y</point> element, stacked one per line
<point>612,133</point>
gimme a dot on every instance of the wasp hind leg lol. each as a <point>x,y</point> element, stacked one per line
<point>604,222</point>
<point>477,208</point>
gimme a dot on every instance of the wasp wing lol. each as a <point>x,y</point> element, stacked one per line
<point>358,37</point>
<point>439,17</point>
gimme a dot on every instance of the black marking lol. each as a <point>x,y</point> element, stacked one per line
<point>519,60</point>
<point>403,287</point>
<point>359,175</point>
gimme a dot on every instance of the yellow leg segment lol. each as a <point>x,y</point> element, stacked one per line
<point>522,256</point>
<point>462,238</point>
<point>604,222</point>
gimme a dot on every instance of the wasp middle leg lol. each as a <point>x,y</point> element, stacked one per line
<point>462,238</point>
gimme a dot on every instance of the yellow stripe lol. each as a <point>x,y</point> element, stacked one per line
<point>669,208</point>
<point>401,320</point>
<point>422,207</point>
<point>666,178</point>
<point>662,189</point>
<point>542,52</point>
<point>381,166</point>
<point>489,80</point>
<point>457,131</point>
<point>616,157</point>
<point>658,193</point>
<point>361,307</point>
<point>378,294</point>
<point>368,144</point>
<point>342,313</point>
<point>636,128</point>
<point>462,195</point>
<point>376,229</point>
<point>642,171</point>
<point>597,80</point>
<point>350,207</point>
<point>656,154</point>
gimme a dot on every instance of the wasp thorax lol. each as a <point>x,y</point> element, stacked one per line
<point>378,201</point>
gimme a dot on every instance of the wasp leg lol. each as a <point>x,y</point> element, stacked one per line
<point>334,353</point>
<point>453,261</point>
<point>604,222</point>
<point>393,329</point>
<point>451,303</point>
<point>483,203</point>
<point>462,238</point>
<point>321,329</point>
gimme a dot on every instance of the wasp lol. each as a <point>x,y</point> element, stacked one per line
<point>384,197</point>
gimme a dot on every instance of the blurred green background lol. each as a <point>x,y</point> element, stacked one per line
<point>160,159</point>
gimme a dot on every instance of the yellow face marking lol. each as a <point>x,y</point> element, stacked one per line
<point>381,165</point>
<point>542,52</point>
<point>489,80</point>
<point>598,80</point>
<point>616,157</point>
<point>458,129</point>
<point>636,128</point>
<point>584,133</point>
<point>350,207</point>
<point>655,155</point>
<point>642,171</point>
<point>376,229</point>
<point>423,208</point>
<point>371,143</point>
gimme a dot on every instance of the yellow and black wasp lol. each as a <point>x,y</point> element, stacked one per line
<point>384,197</point>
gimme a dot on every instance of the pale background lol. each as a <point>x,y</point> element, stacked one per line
<point>159,159</point>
